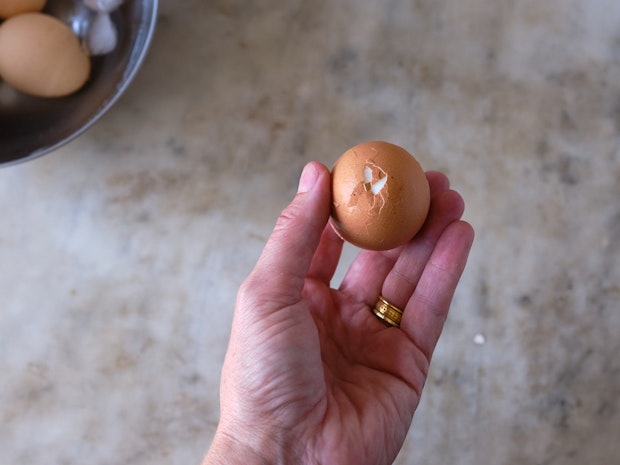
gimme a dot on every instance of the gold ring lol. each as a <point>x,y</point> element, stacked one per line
<point>388,313</point>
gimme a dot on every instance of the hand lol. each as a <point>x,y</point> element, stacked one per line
<point>311,375</point>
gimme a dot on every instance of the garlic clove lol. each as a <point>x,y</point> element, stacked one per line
<point>103,6</point>
<point>102,35</point>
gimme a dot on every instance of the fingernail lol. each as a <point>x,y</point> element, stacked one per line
<point>308,178</point>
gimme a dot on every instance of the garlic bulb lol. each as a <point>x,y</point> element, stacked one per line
<point>102,36</point>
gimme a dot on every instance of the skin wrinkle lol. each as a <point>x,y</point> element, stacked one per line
<point>428,303</point>
<point>404,277</point>
<point>345,400</point>
<point>287,224</point>
<point>422,369</point>
<point>264,299</point>
<point>324,262</point>
<point>346,355</point>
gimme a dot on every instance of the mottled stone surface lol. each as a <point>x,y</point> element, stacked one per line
<point>121,253</point>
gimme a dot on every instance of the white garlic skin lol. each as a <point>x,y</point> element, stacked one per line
<point>102,35</point>
<point>103,6</point>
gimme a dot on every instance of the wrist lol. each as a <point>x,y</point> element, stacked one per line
<point>230,449</point>
<point>225,450</point>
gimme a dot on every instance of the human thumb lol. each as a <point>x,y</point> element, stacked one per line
<point>284,263</point>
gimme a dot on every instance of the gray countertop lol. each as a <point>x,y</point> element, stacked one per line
<point>121,253</point>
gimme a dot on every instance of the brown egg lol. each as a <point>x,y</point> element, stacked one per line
<point>40,55</point>
<point>10,8</point>
<point>380,196</point>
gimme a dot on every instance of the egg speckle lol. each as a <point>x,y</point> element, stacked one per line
<point>380,196</point>
<point>40,55</point>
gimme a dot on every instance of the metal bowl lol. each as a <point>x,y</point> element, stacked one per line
<point>32,126</point>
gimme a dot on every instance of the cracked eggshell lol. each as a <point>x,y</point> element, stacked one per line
<point>380,196</point>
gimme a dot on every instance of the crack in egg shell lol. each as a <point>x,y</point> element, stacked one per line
<point>380,196</point>
<point>372,190</point>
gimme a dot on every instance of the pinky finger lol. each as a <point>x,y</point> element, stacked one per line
<point>428,307</point>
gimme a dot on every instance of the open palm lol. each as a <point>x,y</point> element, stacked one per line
<point>311,375</point>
